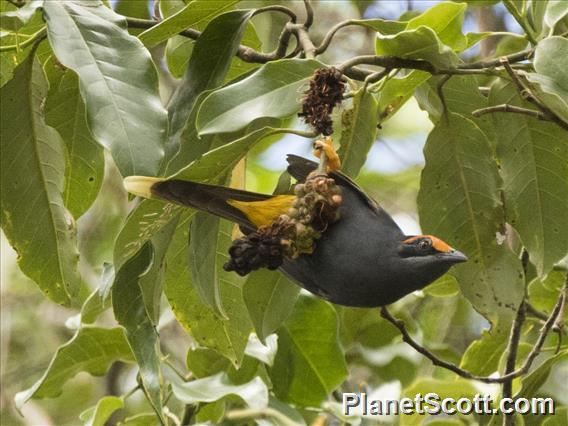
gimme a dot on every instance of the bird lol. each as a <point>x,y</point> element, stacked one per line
<point>361,260</point>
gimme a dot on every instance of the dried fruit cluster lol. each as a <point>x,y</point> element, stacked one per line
<point>325,92</point>
<point>315,208</point>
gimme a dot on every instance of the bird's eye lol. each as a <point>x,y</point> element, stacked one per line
<point>424,244</point>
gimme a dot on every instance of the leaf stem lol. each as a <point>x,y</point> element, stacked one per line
<point>39,35</point>
<point>520,18</point>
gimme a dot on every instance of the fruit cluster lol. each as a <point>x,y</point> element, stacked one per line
<point>325,92</point>
<point>316,207</point>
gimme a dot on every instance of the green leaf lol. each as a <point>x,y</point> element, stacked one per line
<point>444,286</point>
<point>204,362</point>
<point>209,389</point>
<point>101,413</point>
<point>193,15</point>
<point>209,62</point>
<point>209,236</point>
<point>459,201</point>
<point>270,298</point>
<point>13,20</point>
<point>309,363</point>
<point>559,417</point>
<point>118,81</point>
<point>218,162</point>
<point>446,19</point>
<point>228,337</point>
<point>99,300</point>
<point>358,132</point>
<point>144,419</point>
<point>233,107</point>
<point>419,43</point>
<point>551,82</point>
<point>543,294</point>
<point>533,382</point>
<point>34,218</point>
<point>394,93</point>
<point>92,350</point>
<point>148,218</point>
<point>555,12</point>
<point>455,389</point>
<point>483,355</point>
<point>131,313</point>
<point>532,156</point>
<point>65,112</point>
<point>382,26</point>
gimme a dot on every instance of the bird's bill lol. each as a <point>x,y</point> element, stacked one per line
<point>455,256</point>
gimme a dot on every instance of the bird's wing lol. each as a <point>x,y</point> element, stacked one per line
<point>300,168</point>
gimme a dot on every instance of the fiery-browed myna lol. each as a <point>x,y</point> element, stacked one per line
<point>363,259</point>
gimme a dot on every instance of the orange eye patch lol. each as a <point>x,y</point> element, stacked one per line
<point>437,243</point>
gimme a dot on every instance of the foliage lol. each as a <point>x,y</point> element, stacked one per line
<point>87,96</point>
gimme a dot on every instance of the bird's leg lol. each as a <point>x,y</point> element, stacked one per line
<point>329,160</point>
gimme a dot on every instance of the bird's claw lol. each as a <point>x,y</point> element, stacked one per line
<point>326,146</point>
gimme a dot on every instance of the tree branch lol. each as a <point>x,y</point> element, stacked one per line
<point>527,94</point>
<point>406,337</point>
<point>309,14</point>
<point>512,349</point>
<point>511,108</point>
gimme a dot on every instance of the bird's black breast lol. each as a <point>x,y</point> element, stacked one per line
<point>350,263</point>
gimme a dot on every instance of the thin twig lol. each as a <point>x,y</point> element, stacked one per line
<point>511,108</point>
<point>309,14</point>
<point>512,350</point>
<point>520,18</point>
<point>535,312</point>
<point>399,324</point>
<point>331,33</point>
<point>277,8</point>
<point>37,36</point>
<point>527,94</point>
<point>245,53</point>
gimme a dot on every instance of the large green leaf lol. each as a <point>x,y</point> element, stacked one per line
<point>209,389</point>
<point>218,162</point>
<point>455,389</point>
<point>533,382</point>
<point>551,79</point>
<point>270,298</point>
<point>226,336</point>
<point>556,10</point>
<point>193,15</point>
<point>394,93</point>
<point>15,19</point>
<point>532,156</point>
<point>130,311</point>
<point>309,363</point>
<point>92,350</point>
<point>459,201</point>
<point>101,413</point>
<point>34,218</point>
<point>148,218</point>
<point>272,91</point>
<point>483,355</point>
<point>358,132</point>
<point>65,111</point>
<point>208,238</point>
<point>418,43</point>
<point>446,19</point>
<point>209,62</point>
<point>118,80</point>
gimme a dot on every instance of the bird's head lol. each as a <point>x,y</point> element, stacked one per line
<point>426,257</point>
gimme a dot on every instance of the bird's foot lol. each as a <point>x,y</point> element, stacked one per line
<point>325,146</point>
